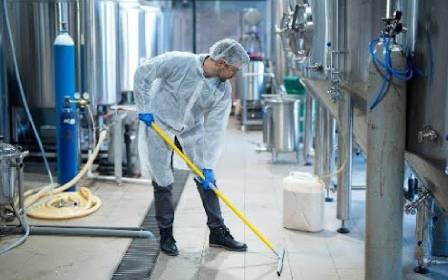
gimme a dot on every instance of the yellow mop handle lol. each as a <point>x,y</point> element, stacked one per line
<point>224,198</point>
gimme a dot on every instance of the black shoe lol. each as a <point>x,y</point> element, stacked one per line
<point>221,237</point>
<point>167,242</point>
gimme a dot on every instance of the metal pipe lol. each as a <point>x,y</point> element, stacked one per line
<point>308,133</point>
<point>345,145</point>
<point>194,11</point>
<point>80,231</point>
<point>389,8</point>
<point>278,55</point>
<point>423,234</point>
<point>118,140</point>
<point>327,152</point>
<point>318,144</point>
<point>20,181</point>
<point>386,131</point>
<point>93,227</point>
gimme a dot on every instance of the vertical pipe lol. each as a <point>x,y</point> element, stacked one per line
<point>20,182</point>
<point>4,116</point>
<point>327,149</point>
<point>194,26</point>
<point>318,139</point>
<point>345,143</point>
<point>423,234</point>
<point>386,133</point>
<point>118,147</point>
<point>307,133</point>
<point>390,6</point>
<point>278,55</point>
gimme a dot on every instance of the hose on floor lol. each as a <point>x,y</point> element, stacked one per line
<point>51,202</point>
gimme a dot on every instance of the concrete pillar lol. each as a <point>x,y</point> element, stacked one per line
<point>385,166</point>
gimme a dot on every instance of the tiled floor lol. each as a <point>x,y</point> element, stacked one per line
<point>255,186</point>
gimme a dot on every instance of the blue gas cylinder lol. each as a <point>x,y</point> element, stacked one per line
<point>67,148</point>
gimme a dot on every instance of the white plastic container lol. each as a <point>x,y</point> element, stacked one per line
<point>303,202</point>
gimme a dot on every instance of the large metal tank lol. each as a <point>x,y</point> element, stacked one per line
<point>138,27</point>
<point>4,117</point>
<point>34,25</point>
<point>317,53</point>
<point>120,35</point>
<point>252,79</point>
<point>101,43</point>
<point>130,42</point>
<point>427,92</point>
<point>363,24</point>
<point>278,55</point>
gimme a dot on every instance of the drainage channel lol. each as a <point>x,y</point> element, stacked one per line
<point>141,256</point>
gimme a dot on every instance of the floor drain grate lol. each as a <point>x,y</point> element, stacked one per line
<point>139,260</point>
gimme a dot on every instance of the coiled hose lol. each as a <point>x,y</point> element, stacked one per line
<point>80,204</point>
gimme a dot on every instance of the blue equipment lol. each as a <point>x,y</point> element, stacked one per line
<point>66,120</point>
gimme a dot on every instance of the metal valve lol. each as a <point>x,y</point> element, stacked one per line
<point>427,134</point>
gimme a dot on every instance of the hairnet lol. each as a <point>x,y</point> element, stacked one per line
<point>230,51</point>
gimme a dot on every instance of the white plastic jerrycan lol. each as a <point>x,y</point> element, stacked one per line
<point>303,202</point>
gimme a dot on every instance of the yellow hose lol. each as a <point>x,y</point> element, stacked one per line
<point>51,202</point>
<point>66,205</point>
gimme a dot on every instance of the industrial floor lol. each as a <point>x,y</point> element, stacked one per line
<point>255,186</point>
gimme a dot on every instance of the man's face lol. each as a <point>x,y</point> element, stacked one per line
<point>226,71</point>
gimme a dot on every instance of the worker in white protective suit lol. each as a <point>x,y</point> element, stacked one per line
<point>189,96</point>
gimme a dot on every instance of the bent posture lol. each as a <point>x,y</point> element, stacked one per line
<point>189,96</point>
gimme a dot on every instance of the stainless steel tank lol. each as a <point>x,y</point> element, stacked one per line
<point>101,37</point>
<point>253,81</point>
<point>8,172</point>
<point>4,116</point>
<point>122,33</point>
<point>317,52</point>
<point>154,36</point>
<point>283,124</point>
<point>34,25</point>
<point>137,37</point>
<point>278,55</point>
<point>363,25</point>
<point>130,40</point>
<point>427,91</point>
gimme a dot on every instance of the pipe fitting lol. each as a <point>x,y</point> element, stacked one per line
<point>427,134</point>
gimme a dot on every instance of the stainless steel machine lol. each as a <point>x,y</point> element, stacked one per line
<point>280,124</point>
<point>251,80</point>
<point>338,78</point>
<point>111,38</point>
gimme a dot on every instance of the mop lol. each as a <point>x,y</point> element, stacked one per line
<point>280,253</point>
